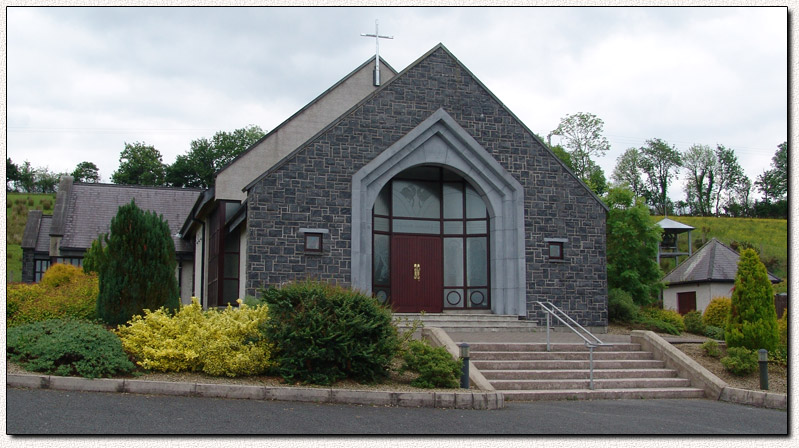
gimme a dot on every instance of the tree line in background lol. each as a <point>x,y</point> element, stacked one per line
<point>715,182</point>
<point>142,164</point>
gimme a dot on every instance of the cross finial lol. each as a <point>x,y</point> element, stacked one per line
<point>377,37</point>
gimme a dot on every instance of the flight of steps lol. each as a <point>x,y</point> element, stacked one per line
<point>527,372</point>
<point>467,321</point>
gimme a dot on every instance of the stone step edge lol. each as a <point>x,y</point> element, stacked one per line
<point>666,372</point>
<point>588,394</point>
<point>561,383</point>
<point>484,400</point>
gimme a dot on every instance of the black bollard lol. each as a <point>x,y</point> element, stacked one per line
<point>762,359</point>
<point>464,352</point>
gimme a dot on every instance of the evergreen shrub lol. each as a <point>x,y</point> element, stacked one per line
<point>67,347</point>
<point>647,322</point>
<point>740,361</point>
<point>435,366</point>
<point>137,272</point>
<point>714,332</point>
<point>753,318</point>
<point>711,348</point>
<point>670,317</point>
<point>621,307</point>
<point>782,328</point>
<point>64,291</point>
<point>717,312</point>
<point>219,343</point>
<point>693,322</point>
<point>324,333</point>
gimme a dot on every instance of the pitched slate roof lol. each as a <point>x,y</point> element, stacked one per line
<point>37,232</point>
<point>90,208</point>
<point>713,262</point>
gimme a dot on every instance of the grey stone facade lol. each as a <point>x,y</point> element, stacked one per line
<point>312,188</point>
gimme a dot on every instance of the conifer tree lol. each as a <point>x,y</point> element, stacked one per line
<point>753,318</point>
<point>138,268</point>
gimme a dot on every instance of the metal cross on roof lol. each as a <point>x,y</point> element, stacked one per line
<point>377,37</point>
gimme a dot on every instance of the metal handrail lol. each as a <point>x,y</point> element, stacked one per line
<point>553,310</point>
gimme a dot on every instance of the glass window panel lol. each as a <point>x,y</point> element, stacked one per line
<point>380,263</point>
<point>450,175</point>
<point>381,224</point>
<point>383,199</point>
<point>232,242</point>
<point>476,262</point>
<point>473,227</point>
<point>475,208</point>
<point>421,173</point>
<point>416,226</point>
<point>231,265</point>
<point>478,298</point>
<point>415,199</point>
<point>453,298</point>
<point>453,227</point>
<point>230,291</point>
<point>382,295</point>
<point>313,242</point>
<point>453,261</point>
<point>453,201</point>
<point>556,250</point>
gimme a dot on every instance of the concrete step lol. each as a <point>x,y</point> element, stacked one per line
<point>567,356</point>
<point>492,375</point>
<point>466,322</point>
<point>567,365</point>
<point>542,347</point>
<point>602,394</point>
<point>570,384</point>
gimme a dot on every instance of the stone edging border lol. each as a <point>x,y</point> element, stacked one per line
<point>457,400</point>
<point>715,388</point>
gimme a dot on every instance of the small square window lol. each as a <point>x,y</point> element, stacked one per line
<point>313,242</point>
<point>555,250</point>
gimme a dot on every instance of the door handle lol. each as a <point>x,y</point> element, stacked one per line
<point>417,271</point>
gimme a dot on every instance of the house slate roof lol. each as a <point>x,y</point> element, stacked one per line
<point>713,262</point>
<point>43,239</point>
<point>90,208</point>
<point>676,227</point>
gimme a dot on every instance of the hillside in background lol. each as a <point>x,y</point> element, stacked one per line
<point>17,207</point>
<point>768,236</point>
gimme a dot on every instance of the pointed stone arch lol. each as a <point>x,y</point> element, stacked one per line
<point>440,140</point>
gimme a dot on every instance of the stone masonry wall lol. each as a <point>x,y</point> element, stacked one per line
<point>312,189</point>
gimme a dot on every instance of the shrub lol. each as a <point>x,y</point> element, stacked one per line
<point>782,328</point>
<point>740,360</point>
<point>693,322</point>
<point>670,317</point>
<point>717,312</point>
<point>714,332</point>
<point>324,333</point>
<point>621,307</point>
<point>95,255</point>
<point>138,269</point>
<point>219,343</point>
<point>711,348</point>
<point>436,367</point>
<point>753,318</point>
<point>30,202</point>
<point>779,355</point>
<point>67,347</point>
<point>649,323</point>
<point>64,292</point>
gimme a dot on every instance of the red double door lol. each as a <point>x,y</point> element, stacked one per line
<point>417,278</point>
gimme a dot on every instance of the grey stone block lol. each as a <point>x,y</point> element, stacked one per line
<point>364,397</point>
<point>28,381</point>
<point>415,399</point>
<point>159,388</point>
<point>297,394</point>
<point>230,391</point>
<point>85,384</point>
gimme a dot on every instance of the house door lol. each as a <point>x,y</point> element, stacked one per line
<point>416,273</point>
<point>686,302</point>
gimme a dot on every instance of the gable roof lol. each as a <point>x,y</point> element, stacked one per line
<point>37,232</point>
<point>400,75</point>
<point>89,209</point>
<point>713,262</point>
<point>676,227</point>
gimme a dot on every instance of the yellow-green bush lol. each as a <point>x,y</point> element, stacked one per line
<point>782,328</point>
<point>64,291</point>
<point>219,343</point>
<point>717,312</point>
<point>670,317</point>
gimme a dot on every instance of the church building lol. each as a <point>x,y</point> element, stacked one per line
<point>421,188</point>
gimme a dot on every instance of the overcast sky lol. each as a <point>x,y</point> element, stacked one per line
<point>83,81</point>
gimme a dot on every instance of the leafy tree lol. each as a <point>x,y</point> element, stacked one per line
<point>12,174</point>
<point>86,172</point>
<point>596,179</point>
<point>632,245</point>
<point>753,318</point>
<point>137,271</point>
<point>729,175</point>
<point>95,256</point>
<point>139,164</point>
<point>207,156</point>
<point>582,135</point>
<point>26,181</point>
<point>700,162</point>
<point>773,183</point>
<point>628,172</point>
<point>661,163</point>
<point>46,181</point>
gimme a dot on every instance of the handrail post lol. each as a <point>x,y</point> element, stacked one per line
<point>548,319</point>
<point>591,366</point>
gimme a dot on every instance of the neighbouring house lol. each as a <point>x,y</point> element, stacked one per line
<point>422,189</point>
<point>84,210</point>
<point>707,274</point>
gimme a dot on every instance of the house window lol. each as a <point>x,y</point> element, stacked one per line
<point>555,250</point>
<point>313,242</point>
<point>39,269</point>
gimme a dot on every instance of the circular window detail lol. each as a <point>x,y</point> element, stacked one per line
<point>381,296</point>
<point>477,298</point>
<point>453,298</point>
